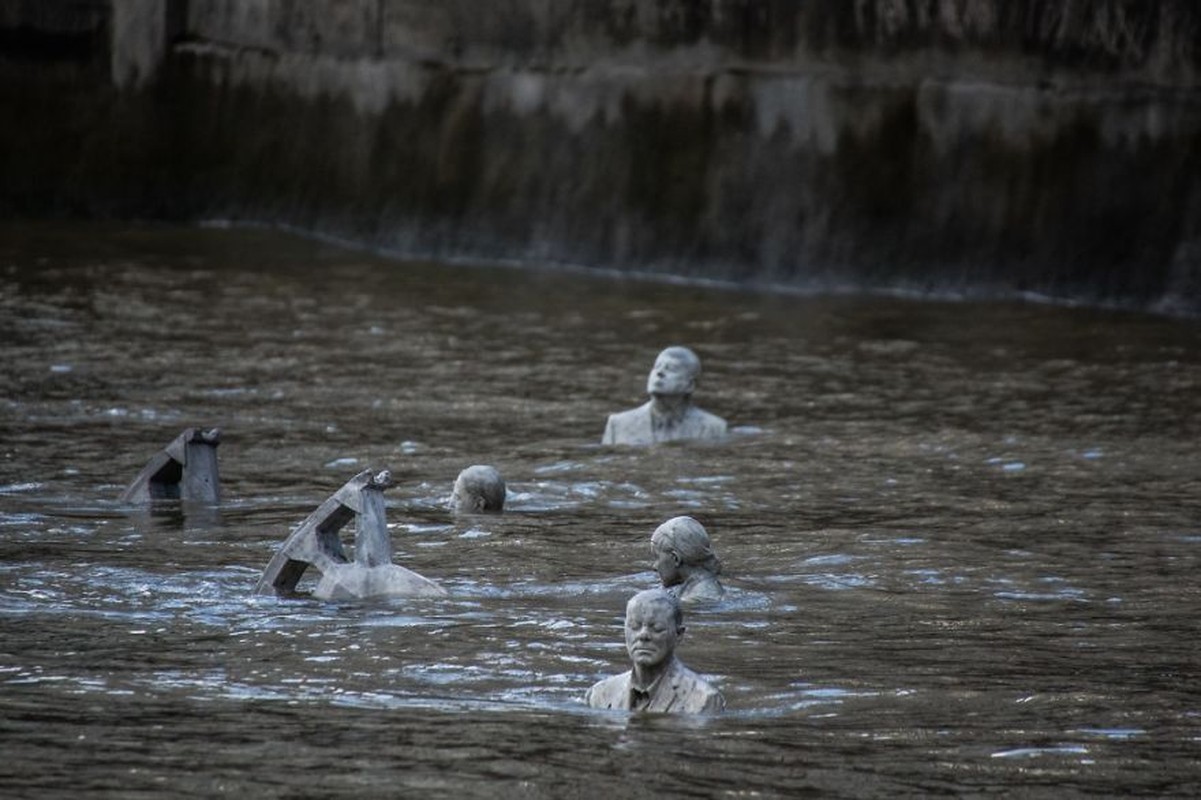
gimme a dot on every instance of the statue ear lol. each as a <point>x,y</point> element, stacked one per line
<point>676,558</point>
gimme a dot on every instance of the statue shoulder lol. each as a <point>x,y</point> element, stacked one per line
<point>611,692</point>
<point>709,424</point>
<point>629,427</point>
<point>698,695</point>
<point>631,414</point>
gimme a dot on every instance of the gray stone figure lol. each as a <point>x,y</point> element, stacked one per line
<point>657,681</point>
<point>669,415</point>
<point>478,489</point>
<point>685,561</point>
<point>186,469</point>
<point>316,543</point>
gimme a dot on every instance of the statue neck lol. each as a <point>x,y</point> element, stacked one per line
<point>668,410</point>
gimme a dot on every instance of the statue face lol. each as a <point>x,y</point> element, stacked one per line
<point>651,632</point>
<point>670,375</point>
<point>667,564</point>
<point>463,501</point>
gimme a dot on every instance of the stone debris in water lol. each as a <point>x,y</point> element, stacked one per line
<point>316,543</point>
<point>186,469</point>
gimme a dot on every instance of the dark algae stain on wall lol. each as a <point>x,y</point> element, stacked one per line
<point>951,146</point>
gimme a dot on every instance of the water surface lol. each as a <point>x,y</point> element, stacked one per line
<point>961,540</point>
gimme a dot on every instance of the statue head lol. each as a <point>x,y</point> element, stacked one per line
<point>680,547</point>
<point>478,489</point>
<point>674,373</point>
<point>654,625</point>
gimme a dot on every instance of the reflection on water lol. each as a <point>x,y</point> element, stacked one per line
<point>960,540</point>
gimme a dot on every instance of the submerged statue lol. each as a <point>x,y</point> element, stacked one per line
<point>685,561</point>
<point>316,543</point>
<point>478,489</point>
<point>669,415</point>
<point>657,681</point>
<point>186,469</point>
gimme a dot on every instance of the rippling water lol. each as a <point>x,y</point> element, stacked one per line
<point>961,539</point>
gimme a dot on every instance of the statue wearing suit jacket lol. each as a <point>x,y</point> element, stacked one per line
<point>669,415</point>
<point>657,681</point>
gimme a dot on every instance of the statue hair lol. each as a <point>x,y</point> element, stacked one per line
<point>660,595</point>
<point>688,539</point>
<point>691,359</point>
<point>483,481</point>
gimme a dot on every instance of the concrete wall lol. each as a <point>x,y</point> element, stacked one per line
<point>954,144</point>
<point>1154,41</point>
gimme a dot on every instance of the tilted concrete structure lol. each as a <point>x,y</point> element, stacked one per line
<point>317,543</point>
<point>186,469</point>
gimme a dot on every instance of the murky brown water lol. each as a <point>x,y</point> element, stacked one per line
<point>961,540</point>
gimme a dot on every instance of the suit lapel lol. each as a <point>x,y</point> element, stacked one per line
<point>667,693</point>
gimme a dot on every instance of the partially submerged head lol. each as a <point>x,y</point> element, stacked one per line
<point>674,373</point>
<point>653,627</point>
<point>681,547</point>
<point>479,488</point>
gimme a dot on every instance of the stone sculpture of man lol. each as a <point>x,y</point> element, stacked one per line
<point>657,680</point>
<point>685,561</point>
<point>669,415</point>
<point>478,489</point>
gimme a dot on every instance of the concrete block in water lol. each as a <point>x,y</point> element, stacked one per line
<point>186,469</point>
<point>317,543</point>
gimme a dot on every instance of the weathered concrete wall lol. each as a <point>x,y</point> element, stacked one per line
<point>1007,144</point>
<point>1153,40</point>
